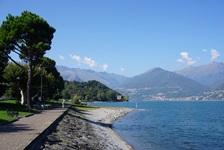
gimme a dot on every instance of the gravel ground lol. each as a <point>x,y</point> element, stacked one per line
<point>78,131</point>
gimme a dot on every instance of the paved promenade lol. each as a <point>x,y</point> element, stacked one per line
<point>19,134</point>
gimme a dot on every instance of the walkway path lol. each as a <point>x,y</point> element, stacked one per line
<point>18,135</point>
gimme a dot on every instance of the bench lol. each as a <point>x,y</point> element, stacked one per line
<point>41,106</point>
<point>12,113</point>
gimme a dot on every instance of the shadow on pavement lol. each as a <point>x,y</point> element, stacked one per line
<point>14,128</point>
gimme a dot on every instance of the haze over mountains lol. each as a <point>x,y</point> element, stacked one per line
<point>211,75</point>
<point>84,75</point>
<point>161,84</point>
<point>156,83</point>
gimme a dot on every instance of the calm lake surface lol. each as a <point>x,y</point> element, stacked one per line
<point>162,125</point>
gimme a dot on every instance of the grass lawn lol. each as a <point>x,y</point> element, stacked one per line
<point>11,105</point>
<point>16,106</point>
<point>52,102</point>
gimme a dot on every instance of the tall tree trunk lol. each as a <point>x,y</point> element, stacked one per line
<point>29,84</point>
<point>23,97</point>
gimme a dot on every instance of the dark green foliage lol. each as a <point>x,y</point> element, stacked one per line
<point>53,83</point>
<point>30,37</point>
<point>15,79</point>
<point>3,64</point>
<point>90,91</point>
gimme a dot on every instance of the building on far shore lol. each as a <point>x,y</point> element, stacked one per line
<point>119,97</point>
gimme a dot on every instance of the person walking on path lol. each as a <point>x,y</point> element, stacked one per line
<point>63,103</point>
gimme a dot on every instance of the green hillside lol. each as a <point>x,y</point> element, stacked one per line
<point>90,91</point>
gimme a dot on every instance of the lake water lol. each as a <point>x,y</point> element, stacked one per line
<point>162,125</point>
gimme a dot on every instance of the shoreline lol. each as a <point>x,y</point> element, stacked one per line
<point>88,130</point>
<point>106,117</point>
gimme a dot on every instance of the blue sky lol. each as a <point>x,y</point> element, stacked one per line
<point>129,37</point>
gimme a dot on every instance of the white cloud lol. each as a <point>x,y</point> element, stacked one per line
<point>105,67</point>
<point>204,50</point>
<point>180,60</point>
<point>77,58</point>
<point>61,57</point>
<point>215,54</point>
<point>122,69</point>
<point>86,60</point>
<point>89,62</point>
<point>186,58</point>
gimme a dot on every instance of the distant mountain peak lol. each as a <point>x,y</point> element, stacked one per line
<point>209,75</point>
<point>216,64</point>
<point>78,74</point>
<point>158,82</point>
<point>156,69</point>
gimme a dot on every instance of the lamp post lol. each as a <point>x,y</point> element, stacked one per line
<point>41,66</point>
<point>18,80</point>
<point>41,83</point>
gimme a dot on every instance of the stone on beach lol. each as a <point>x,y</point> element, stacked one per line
<point>89,130</point>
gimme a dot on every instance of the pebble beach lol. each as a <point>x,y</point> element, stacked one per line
<point>88,130</point>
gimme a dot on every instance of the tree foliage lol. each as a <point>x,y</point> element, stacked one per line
<point>52,82</point>
<point>15,79</point>
<point>90,91</point>
<point>3,64</point>
<point>30,37</point>
<point>27,35</point>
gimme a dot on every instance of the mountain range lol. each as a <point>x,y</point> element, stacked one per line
<point>210,75</point>
<point>84,75</point>
<point>156,83</point>
<point>161,84</point>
